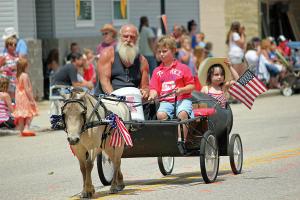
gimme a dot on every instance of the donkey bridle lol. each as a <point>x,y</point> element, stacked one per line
<point>81,103</point>
<point>86,121</point>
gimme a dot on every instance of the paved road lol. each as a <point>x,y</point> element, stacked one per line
<point>43,167</point>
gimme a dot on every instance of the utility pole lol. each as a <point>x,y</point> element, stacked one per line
<point>162,12</point>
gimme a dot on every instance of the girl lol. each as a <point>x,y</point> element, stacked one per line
<point>217,79</point>
<point>185,53</point>
<point>89,68</point>
<point>9,67</point>
<point>186,56</point>
<point>26,107</point>
<point>6,120</point>
<point>236,39</point>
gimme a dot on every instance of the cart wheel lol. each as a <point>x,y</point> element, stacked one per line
<point>105,168</point>
<point>287,91</point>
<point>166,165</point>
<point>236,153</point>
<point>209,157</point>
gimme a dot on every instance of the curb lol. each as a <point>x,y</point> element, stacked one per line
<point>270,93</point>
<point>8,132</point>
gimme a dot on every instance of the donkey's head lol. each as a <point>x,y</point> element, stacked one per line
<point>74,113</point>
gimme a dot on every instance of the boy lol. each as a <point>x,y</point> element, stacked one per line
<point>172,75</point>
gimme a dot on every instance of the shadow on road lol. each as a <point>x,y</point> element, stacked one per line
<point>135,187</point>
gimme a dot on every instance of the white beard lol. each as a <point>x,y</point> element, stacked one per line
<point>127,52</point>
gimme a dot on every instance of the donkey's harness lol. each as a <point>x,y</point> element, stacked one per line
<point>87,123</point>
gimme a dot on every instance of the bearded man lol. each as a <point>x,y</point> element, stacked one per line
<point>123,66</point>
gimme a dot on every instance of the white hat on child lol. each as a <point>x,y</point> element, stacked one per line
<point>207,63</point>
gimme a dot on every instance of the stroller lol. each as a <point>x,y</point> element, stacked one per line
<point>291,82</point>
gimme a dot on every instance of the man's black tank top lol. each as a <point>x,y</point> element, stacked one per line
<point>122,76</point>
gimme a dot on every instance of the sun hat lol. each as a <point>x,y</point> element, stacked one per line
<point>109,27</point>
<point>281,38</point>
<point>207,63</point>
<point>8,32</point>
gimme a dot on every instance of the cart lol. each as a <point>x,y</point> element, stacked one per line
<point>208,139</point>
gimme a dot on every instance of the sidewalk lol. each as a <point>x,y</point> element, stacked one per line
<point>41,123</point>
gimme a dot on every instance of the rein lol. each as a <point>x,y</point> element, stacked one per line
<point>122,99</point>
<point>87,120</point>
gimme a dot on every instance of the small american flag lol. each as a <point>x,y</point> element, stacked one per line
<point>247,88</point>
<point>120,132</point>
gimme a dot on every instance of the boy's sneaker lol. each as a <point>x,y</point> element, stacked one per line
<point>181,147</point>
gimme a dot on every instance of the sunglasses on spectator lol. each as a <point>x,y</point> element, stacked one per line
<point>105,33</point>
<point>12,44</point>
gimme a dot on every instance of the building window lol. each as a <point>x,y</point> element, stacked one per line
<point>84,13</point>
<point>120,12</point>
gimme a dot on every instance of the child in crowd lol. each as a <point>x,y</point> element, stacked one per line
<point>6,108</point>
<point>215,74</point>
<point>89,68</point>
<point>8,68</point>
<point>26,107</point>
<point>172,75</point>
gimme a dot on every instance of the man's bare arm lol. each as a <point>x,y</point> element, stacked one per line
<point>84,83</point>
<point>144,85</point>
<point>104,69</point>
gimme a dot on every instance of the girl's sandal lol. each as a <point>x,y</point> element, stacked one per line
<point>28,133</point>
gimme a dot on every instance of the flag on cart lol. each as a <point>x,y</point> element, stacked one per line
<point>120,132</point>
<point>247,88</point>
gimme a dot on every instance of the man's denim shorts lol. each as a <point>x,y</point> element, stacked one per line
<point>182,105</point>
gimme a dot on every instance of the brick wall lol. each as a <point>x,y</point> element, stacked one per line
<point>212,23</point>
<point>216,17</point>
<point>246,12</point>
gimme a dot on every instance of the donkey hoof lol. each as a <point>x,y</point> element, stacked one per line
<point>120,187</point>
<point>86,195</point>
<point>113,191</point>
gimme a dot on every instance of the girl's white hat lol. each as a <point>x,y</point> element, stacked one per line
<point>207,63</point>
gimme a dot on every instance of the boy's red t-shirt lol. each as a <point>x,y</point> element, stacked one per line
<point>165,79</point>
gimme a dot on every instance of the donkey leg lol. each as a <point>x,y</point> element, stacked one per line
<point>120,181</point>
<point>113,187</point>
<point>81,155</point>
<point>116,185</point>
<point>83,173</point>
<point>89,187</point>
